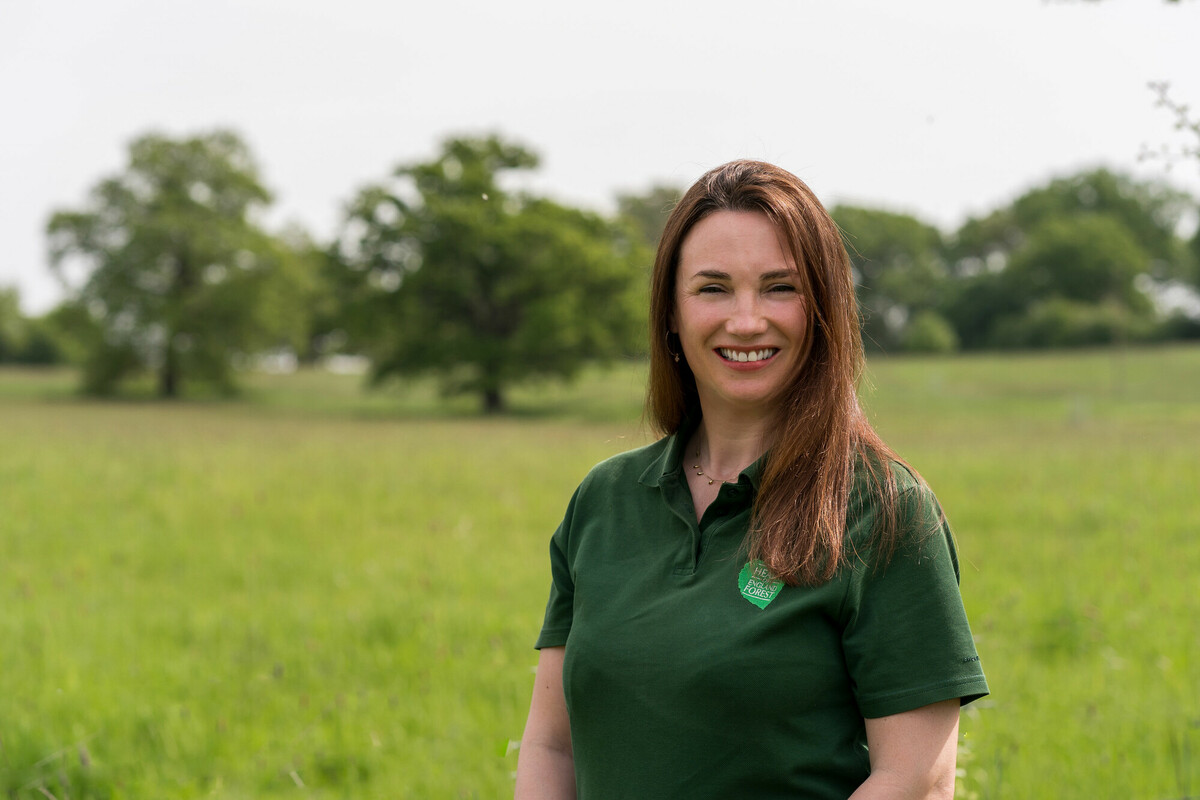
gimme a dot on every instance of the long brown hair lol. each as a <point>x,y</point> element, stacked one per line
<point>799,518</point>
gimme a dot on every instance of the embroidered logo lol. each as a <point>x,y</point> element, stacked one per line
<point>757,583</point>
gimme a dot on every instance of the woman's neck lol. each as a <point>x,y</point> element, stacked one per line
<point>729,445</point>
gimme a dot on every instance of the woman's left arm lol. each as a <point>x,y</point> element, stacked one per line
<point>912,754</point>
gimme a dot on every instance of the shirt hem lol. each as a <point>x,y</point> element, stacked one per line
<point>554,637</point>
<point>966,691</point>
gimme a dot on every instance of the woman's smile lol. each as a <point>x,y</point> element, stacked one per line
<point>756,356</point>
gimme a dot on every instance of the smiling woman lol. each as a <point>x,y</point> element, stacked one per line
<point>764,602</point>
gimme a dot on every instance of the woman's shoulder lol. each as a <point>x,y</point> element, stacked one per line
<point>616,479</point>
<point>877,475</point>
<point>890,504</point>
<point>631,464</point>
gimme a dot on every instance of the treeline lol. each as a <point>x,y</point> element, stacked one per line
<point>1095,258</point>
<point>441,268</point>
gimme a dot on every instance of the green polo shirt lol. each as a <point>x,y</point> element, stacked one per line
<point>679,685</point>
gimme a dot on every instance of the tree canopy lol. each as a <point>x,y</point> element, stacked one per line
<point>648,211</point>
<point>177,276</point>
<point>1077,250</point>
<point>1149,210</point>
<point>898,270</point>
<point>449,273</point>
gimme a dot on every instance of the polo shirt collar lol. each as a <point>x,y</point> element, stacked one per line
<point>670,460</point>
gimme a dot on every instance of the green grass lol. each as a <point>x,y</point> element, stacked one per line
<point>316,591</point>
<point>1072,483</point>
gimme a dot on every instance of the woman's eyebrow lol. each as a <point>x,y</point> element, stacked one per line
<point>778,274</point>
<point>711,274</point>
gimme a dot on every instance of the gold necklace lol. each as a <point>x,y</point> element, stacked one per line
<point>700,471</point>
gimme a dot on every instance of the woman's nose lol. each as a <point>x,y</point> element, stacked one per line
<point>747,318</point>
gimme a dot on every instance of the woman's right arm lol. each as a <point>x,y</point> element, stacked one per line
<point>545,764</point>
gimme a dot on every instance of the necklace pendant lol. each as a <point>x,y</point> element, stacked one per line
<point>710,481</point>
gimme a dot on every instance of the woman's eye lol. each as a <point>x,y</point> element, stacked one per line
<point>782,287</point>
<point>711,289</point>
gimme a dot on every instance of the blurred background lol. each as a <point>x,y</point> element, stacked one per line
<point>389,261</point>
<point>947,140</point>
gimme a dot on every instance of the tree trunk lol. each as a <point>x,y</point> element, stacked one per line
<point>493,400</point>
<point>168,377</point>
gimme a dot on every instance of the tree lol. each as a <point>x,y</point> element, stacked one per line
<point>648,211</point>
<point>929,332</point>
<point>1065,259</point>
<point>1075,280</point>
<point>31,341</point>
<point>447,273</point>
<point>898,268</point>
<point>1150,210</point>
<point>1184,123</point>
<point>12,325</point>
<point>177,275</point>
<point>1091,258</point>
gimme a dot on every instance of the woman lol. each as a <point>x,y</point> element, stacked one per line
<point>765,602</point>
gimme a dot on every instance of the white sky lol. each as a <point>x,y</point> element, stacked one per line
<point>943,108</point>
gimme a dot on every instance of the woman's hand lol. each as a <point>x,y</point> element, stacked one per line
<point>912,754</point>
<point>545,763</point>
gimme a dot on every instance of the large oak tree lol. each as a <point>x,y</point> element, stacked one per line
<point>449,273</point>
<point>171,266</point>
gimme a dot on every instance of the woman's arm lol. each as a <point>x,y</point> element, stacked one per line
<point>545,764</point>
<point>912,754</point>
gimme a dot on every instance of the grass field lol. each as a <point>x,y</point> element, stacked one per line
<point>315,592</point>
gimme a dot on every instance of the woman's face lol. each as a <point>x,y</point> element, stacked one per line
<point>739,312</point>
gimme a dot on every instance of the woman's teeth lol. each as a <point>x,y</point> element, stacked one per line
<point>742,355</point>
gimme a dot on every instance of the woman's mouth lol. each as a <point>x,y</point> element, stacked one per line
<point>761,354</point>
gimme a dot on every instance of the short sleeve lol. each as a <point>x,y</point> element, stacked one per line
<point>906,637</point>
<point>560,607</point>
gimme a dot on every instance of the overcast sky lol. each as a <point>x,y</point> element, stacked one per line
<point>943,108</point>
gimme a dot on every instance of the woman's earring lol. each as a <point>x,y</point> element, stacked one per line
<point>669,350</point>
